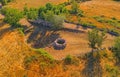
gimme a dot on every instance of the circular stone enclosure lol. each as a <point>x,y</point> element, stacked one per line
<point>59,44</point>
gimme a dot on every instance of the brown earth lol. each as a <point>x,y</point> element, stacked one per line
<point>77,42</point>
<point>76,38</point>
<point>13,47</point>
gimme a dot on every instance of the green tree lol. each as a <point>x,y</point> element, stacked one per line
<point>25,10</point>
<point>101,38</point>
<point>49,6</point>
<point>96,38</point>
<point>56,20</point>
<point>41,12</point>
<point>74,7</point>
<point>4,2</point>
<point>12,16</point>
<point>116,48</point>
<point>32,14</point>
<point>68,59</point>
<point>49,16</point>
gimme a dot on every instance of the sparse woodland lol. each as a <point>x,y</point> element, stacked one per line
<point>89,29</point>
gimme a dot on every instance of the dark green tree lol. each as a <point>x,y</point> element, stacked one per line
<point>96,38</point>
<point>116,48</point>
<point>32,14</point>
<point>4,2</point>
<point>49,6</point>
<point>41,12</point>
<point>56,20</point>
<point>12,16</point>
<point>74,7</point>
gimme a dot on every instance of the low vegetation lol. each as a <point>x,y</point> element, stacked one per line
<point>116,48</point>
<point>98,62</point>
<point>12,16</point>
<point>4,2</point>
<point>112,21</point>
<point>96,39</point>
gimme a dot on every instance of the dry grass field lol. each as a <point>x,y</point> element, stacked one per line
<point>106,8</point>
<point>19,4</point>
<point>14,47</point>
<point>77,42</point>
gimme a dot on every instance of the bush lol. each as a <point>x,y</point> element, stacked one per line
<point>12,16</point>
<point>56,9</point>
<point>80,13</point>
<point>45,55</point>
<point>100,54</point>
<point>49,6</point>
<point>32,14</point>
<point>74,7</point>
<point>55,20</point>
<point>116,48</point>
<point>87,24</point>
<point>113,71</point>
<point>21,30</point>
<point>113,21</point>
<point>4,2</point>
<point>96,38</point>
<point>68,59</point>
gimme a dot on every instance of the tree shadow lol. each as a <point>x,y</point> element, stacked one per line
<point>2,24</point>
<point>46,40</point>
<point>92,67</point>
<point>72,30</point>
<point>4,31</point>
<point>115,52</point>
<point>41,36</point>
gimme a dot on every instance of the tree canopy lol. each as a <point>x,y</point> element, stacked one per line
<point>96,38</point>
<point>12,16</point>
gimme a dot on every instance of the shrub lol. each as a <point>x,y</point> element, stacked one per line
<point>32,14</point>
<point>113,71</point>
<point>12,16</point>
<point>29,59</point>
<point>113,21</point>
<point>74,7</point>
<point>68,59</point>
<point>49,6</point>
<point>4,2</point>
<point>100,54</point>
<point>116,48</point>
<point>87,24</point>
<point>21,30</point>
<point>45,55</point>
<point>56,9</point>
<point>96,38</point>
<point>55,20</point>
<point>80,13</point>
<point>41,57</point>
<point>99,19</point>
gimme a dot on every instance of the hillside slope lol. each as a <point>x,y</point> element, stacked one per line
<point>12,53</point>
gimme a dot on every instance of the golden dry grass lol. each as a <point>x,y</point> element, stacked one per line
<point>106,8</point>
<point>13,50</point>
<point>19,4</point>
<point>13,47</point>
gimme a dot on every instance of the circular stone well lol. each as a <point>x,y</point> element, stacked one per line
<point>59,44</point>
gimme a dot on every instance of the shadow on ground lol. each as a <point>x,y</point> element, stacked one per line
<point>5,30</point>
<point>93,67</point>
<point>41,36</point>
<point>72,30</point>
